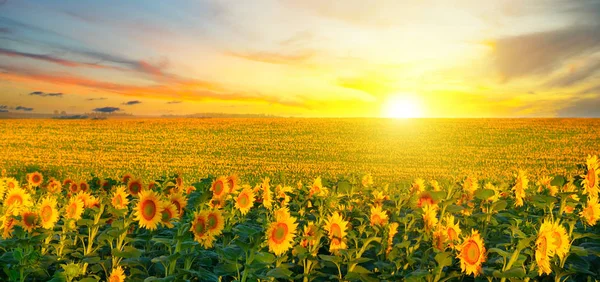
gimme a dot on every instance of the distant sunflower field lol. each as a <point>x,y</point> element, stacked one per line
<point>525,227</point>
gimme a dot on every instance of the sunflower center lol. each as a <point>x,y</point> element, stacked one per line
<point>46,213</point>
<point>591,177</point>
<point>166,215</point>
<point>212,221</point>
<point>218,188</point>
<point>243,200</point>
<point>35,178</point>
<point>452,234</point>
<point>376,219</point>
<point>200,227</point>
<point>73,187</point>
<point>10,185</point>
<point>472,253</point>
<point>557,239</point>
<point>148,209</point>
<point>14,199</point>
<point>279,233</point>
<point>72,209</point>
<point>135,188</point>
<point>29,219</point>
<point>336,231</point>
<point>115,278</point>
<point>84,187</point>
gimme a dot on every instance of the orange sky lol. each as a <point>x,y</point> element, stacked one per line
<point>302,58</point>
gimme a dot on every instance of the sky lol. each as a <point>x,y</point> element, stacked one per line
<point>306,58</point>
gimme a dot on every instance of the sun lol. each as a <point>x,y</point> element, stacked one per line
<point>402,106</point>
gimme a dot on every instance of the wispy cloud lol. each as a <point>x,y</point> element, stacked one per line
<point>96,99</point>
<point>273,57</point>
<point>46,94</point>
<point>49,58</point>
<point>543,52</point>
<point>175,102</point>
<point>185,89</point>
<point>131,103</point>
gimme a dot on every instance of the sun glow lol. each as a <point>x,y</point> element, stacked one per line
<point>402,106</point>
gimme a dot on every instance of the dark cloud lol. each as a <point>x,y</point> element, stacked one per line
<point>21,108</point>
<point>588,107</point>
<point>96,99</point>
<point>106,110</point>
<point>3,111</point>
<point>131,103</point>
<point>175,102</point>
<point>46,94</point>
<point>543,52</point>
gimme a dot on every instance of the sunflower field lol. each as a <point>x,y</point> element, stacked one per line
<point>528,227</point>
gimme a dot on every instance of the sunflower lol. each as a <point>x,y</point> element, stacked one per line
<point>18,198</point>
<point>117,275</point>
<point>126,177</point>
<point>591,213</point>
<point>543,250</point>
<point>439,238</point>
<point>84,186</point>
<point>217,203</point>
<point>48,212</point>
<point>85,197</point>
<point>54,186</point>
<point>190,189</point>
<point>245,200</point>
<point>74,208</point>
<point>8,224</point>
<point>267,197</point>
<point>310,235</point>
<point>425,199</point>
<point>545,184</point>
<point>590,179</point>
<point>219,187</point>
<point>452,230</point>
<point>179,182</point>
<point>392,231</point>
<point>148,211</point>
<point>151,185</point>
<point>472,254</point>
<point>560,240</point>
<point>134,186</point>
<point>470,185</point>
<point>436,185</point>
<point>35,179</point>
<point>430,217</point>
<point>379,197</point>
<point>214,222</point>
<point>378,216</point>
<point>281,233</point>
<point>67,182</point>
<point>317,188</point>
<point>200,229</point>
<point>119,199</point>
<point>168,214</point>
<point>520,187</point>
<point>367,180</point>
<point>29,220</point>
<point>417,186</point>
<point>233,183</point>
<point>105,184</point>
<point>336,230</point>
<point>180,202</point>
